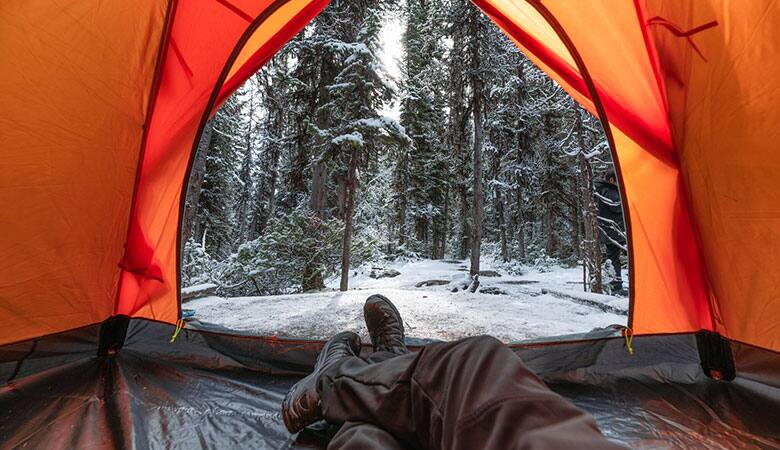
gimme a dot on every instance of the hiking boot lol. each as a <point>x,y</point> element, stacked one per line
<point>301,406</point>
<point>616,288</point>
<point>384,325</point>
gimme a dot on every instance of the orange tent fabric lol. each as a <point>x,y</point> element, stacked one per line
<point>688,90</point>
<point>193,70</point>
<point>719,63</point>
<point>75,82</point>
<point>103,103</point>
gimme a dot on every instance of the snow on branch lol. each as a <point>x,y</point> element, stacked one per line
<point>354,139</point>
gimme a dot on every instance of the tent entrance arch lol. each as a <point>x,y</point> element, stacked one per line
<point>518,317</point>
<point>670,301</point>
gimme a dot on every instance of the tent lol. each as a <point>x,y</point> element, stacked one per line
<point>103,102</point>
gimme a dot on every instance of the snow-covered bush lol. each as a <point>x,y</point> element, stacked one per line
<point>274,263</point>
<point>197,265</point>
<point>544,263</point>
<point>511,267</point>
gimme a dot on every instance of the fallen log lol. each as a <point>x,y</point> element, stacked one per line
<point>198,291</point>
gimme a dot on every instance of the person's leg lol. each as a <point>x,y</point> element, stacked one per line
<point>613,254</point>
<point>385,327</point>
<point>378,357</point>
<point>301,405</point>
<point>470,394</point>
<point>363,436</point>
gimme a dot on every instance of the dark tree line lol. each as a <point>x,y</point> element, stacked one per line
<point>299,176</point>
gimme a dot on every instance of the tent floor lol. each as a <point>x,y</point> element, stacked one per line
<point>217,391</point>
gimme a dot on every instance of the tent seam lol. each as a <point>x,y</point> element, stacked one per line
<point>162,51</point>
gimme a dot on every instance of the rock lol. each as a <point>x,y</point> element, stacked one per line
<point>492,290</point>
<point>428,283</point>
<point>452,261</point>
<point>387,273</point>
<point>518,282</point>
<point>489,273</point>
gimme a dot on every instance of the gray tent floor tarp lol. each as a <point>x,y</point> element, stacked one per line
<point>216,390</point>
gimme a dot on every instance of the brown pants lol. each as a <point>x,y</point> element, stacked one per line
<point>471,394</point>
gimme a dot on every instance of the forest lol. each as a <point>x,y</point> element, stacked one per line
<point>302,176</point>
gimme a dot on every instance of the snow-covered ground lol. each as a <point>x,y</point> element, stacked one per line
<point>432,312</point>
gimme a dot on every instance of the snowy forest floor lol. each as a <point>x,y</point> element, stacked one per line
<point>530,306</point>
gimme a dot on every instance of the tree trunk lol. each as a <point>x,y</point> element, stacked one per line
<point>479,200</point>
<point>421,230</point>
<point>195,182</point>
<point>349,210</point>
<point>264,215</point>
<point>502,225</point>
<point>265,195</point>
<point>522,139</point>
<point>521,240</point>
<point>312,274</point>
<point>458,131</point>
<point>244,204</point>
<point>438,234</point>
<point>465,228</point>
<point>592,236</point>
<point>341,198</point>
<point>445,222</point>
<point>576,219</point>
<point>592,240</point>
<point>401,199</point>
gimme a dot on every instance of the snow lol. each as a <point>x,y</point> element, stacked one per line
<point>353,138</point>
<point>197,288</point>
<point>378,122</point>
<point>617,305</point>
<point>429,312</point>
<point>339,86</point>
<point>348,47</point>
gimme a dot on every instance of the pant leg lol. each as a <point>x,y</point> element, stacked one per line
<point>613,254</point>
<point>380,356</point>
<point>363,436</point>
<point>475,393</point>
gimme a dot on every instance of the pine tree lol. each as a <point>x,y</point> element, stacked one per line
<point>458,125</point>
<point>214,226</point>
<point>355,131</point>
<point>425,166</point>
